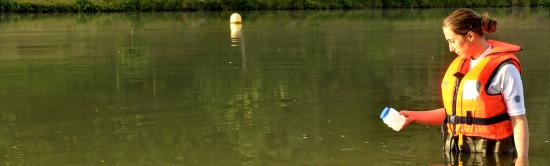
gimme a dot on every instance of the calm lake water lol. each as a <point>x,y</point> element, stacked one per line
<point>292,88</point>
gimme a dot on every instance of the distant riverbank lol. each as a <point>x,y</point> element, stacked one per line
<point>185,5</point>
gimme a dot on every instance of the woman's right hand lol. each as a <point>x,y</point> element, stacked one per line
<point>408,115</point>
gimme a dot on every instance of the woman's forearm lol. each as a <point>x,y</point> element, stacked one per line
<point>431,117</point>
<point>521,135</point>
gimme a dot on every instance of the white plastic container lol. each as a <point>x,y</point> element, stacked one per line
<point>392,118</point>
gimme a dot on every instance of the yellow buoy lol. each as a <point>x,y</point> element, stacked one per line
<point>235,18</point>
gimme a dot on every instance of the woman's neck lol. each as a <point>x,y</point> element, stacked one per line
<point>479,48</point>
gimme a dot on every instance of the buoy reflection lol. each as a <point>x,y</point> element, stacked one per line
<point>235,34</point>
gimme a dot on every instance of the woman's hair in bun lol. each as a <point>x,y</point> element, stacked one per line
<point>464,20</point>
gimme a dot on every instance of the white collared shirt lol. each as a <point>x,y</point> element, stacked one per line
<point>508,82</point>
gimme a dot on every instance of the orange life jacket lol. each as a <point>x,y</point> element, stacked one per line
<point>471,111</point>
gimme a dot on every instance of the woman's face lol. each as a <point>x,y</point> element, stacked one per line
<point>457,43</point>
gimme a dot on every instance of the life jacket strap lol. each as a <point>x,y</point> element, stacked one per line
<point>453,119</point>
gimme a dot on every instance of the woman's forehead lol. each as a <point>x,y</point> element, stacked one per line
<point>449,34</point>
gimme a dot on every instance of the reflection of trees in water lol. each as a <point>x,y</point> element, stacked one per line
<point>10,152</point>
<point>133,66</point>
<point>276,110</point>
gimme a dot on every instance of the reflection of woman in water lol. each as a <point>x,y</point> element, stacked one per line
<point>482,91</point>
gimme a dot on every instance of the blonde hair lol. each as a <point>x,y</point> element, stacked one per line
<point>464,20</point>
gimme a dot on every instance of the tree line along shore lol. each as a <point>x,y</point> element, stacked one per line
<point>191,5</point>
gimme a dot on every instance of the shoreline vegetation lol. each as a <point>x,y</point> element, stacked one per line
<point>206,5</point>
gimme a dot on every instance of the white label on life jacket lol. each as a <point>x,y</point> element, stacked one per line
<point>470,90</point>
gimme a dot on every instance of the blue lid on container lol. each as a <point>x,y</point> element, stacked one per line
<point>385,112</point>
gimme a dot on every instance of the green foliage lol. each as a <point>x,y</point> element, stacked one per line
<point>6,5</point>
<point>86,5</point>
<point>15,6</point>
<point>144,5</point>
<point>177,5</point>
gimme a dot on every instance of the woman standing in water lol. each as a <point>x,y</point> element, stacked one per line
<point>482,91</point>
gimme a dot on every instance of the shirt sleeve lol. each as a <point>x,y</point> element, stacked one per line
<point>508,82</point>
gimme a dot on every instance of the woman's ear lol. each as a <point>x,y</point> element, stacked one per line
<point>470,36</point>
